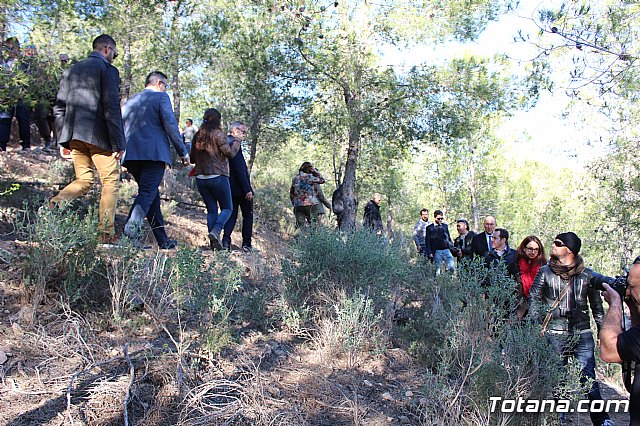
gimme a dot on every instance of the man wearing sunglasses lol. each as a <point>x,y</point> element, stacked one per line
<point>89,123</point>
<point>561,296</point>
<point>438,243</point>
<point>618,345</point>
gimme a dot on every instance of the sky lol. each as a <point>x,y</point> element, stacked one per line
<point>540,133</point>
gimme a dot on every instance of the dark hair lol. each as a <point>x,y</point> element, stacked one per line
<point>540,259</point>
<point>211,121</point>
<point>423,211</point>
<point>13,41</point>
<point>189,120</point>
<point>306,167</point>
<point>437,212</point>
<point>154,77</point>
<point>465,222</point>
<point>102,41</point>
<point>503,233</point>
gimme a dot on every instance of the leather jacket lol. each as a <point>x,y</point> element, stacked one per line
<point>572,313</point>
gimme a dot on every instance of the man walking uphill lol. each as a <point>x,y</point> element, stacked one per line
<point>89,123</point>
<point>149,128</point>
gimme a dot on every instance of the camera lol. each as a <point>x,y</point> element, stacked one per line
<point>619,284</point>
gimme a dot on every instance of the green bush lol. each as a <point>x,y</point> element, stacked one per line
<point>322,260</point>
<point>61,252</point>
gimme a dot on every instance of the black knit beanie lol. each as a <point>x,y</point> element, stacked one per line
<point>571,240</point>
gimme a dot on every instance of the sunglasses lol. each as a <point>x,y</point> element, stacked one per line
<point>559,243</point>
<point>439,218</point>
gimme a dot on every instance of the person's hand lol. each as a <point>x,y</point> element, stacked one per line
<point>65,153</point>
<point>611,296</point>
<point>249,196</point>
<point>185,160</point>
<point>118,155</point>
<point>430,256</point>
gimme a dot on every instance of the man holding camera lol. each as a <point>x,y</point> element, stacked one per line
<point>618,345</point>
<point>560,298</point>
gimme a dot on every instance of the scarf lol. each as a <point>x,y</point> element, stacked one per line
<point>528,271</point>
<point>566,272</point>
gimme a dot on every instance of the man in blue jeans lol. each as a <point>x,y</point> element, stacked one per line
<point>438,242</point>
<point>561,296</point>
<point>149,126</point>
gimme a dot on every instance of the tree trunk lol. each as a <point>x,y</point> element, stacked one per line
<point>175,88</point>
<point>473,190</point>
<point>126,81</point>
<point>349,183</point>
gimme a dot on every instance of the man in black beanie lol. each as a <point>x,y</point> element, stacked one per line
<point>560,298</point>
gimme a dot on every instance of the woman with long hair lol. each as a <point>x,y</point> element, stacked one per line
<point>210,152</point>
<point>530,257</point>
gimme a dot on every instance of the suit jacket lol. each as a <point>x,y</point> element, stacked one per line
<point>479,244</point>
<point>239,179</point>
<point>87,107</point>
<point>150,127</point>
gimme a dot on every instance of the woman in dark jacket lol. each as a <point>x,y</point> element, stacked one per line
<point>530,257</point>
<point>210,152</point>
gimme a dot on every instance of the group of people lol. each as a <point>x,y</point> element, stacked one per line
<point>560,293</point>
<point>18,67</point>
<point>99,133</point>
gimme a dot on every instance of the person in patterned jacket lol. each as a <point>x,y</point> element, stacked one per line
<point>303,196</point>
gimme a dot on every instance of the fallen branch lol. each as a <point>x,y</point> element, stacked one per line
<point>132,375</point>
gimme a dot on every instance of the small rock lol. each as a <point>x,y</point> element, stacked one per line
<point>389,419</point>
<point>3,357</point>
<point>368,383</point>
<point>423,401</point>
<point>408,394</point>
<point>6,311</point>
<point>404,420</point>
<point>387,396</point>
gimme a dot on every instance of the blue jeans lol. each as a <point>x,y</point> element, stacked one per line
<point>444,256</point>
<point>582,350</point>
<point>216,191</point>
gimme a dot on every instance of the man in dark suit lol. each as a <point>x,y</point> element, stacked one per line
<point>241,191</point>
<point>438,243</point>
<point>89,123</point>
<point>481,244</point>
<point>150,127</point>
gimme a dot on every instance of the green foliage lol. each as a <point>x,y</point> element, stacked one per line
<point>203,290</point>
<point>356,262</point>
<point>61,253</point>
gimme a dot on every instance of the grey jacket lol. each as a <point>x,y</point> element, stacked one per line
<point>87,107</point>
<point>150,127</point>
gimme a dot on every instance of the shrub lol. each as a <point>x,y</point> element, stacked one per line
<point>61,252</point>
<point>353,330</point>
<point>354,262</point>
